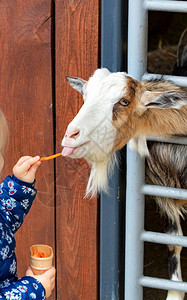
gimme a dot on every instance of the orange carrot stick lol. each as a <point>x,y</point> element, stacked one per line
<point>50,157</point>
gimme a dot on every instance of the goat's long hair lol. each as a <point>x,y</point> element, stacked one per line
<point>99,175</point>
<point>167,166</point>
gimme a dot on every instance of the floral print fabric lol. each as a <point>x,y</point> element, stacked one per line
<point>16,198</point>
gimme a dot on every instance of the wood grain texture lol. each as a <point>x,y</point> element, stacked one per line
<point>77,25</point>
<point>26,99</point>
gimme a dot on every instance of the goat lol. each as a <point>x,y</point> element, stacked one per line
<point>118,109</point>
<point>124,108</point>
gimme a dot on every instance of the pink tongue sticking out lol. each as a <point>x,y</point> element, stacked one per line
<point>67,151</point>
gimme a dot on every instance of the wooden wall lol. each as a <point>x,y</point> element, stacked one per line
<point>76,55</point>
<point>41,42</point>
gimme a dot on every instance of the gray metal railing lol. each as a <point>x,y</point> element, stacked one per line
<point>111,285</point>
<point>136,188</point>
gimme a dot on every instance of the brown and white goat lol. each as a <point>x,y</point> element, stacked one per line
<point>118,108</point>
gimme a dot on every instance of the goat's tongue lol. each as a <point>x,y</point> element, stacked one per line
<point>67,151</point>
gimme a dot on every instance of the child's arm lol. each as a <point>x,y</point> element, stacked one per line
<point>17,192</point>
<point>22,289</point>
<point>47,279</point>
<point>31,286</point>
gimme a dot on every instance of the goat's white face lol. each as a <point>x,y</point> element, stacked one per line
<point>91,134</point>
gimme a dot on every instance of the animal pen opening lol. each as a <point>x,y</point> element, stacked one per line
<point>163,47</point>
<point>164,39</point>
<point>155,42</point>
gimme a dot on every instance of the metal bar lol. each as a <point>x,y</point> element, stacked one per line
<point>179,141</point>
<point>134,226</point>
<point>137,62</point>
<point>137,39</point>
<point>163,284</point>
<point>179,80</point>
<point>163,238</point>
<point>111,42</point>
<point>171,6</point>
<point>110,265</point>
<point>162,191</point>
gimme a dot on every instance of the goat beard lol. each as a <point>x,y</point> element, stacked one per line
<point>99,175</point>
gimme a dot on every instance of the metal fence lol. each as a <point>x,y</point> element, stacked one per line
<point>136,187</point>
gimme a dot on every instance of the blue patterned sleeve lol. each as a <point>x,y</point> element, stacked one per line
<point>24,288</point>
<point>16,198</point>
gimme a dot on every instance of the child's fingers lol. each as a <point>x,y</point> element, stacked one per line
<point>53,284</point>
<point>28,163</point>
<point>53,281</point>
<point>22,160</point>
<point>50,273</point>
<point>29,272</point>
<point>34,167</point>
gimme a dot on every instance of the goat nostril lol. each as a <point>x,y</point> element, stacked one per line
<point>74,134</point>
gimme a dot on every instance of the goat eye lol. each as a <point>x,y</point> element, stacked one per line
<point>124,102</point>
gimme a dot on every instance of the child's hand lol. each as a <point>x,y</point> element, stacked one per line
<point>26,167</point>
<point>47,279</point>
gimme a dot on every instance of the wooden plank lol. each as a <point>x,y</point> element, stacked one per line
<point>26,99</point>
<point>77,25</point>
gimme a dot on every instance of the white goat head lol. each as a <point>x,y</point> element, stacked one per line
<point>117,108</point>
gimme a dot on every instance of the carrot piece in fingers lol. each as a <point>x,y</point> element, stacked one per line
<point>50,157</point>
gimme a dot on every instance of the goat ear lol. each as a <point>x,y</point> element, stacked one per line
<point>76,83</point>
<point>162,100</point>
